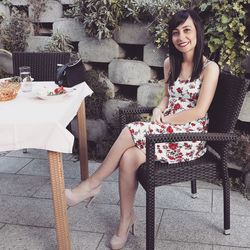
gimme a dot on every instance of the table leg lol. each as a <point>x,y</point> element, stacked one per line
<point>83,148</point>
<point>59,202</point>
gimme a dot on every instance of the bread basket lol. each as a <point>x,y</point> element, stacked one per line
<point>9,89</point>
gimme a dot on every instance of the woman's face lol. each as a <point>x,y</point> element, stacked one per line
<point>184,36</point>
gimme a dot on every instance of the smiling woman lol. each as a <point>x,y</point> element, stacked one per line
<point>183,109</point>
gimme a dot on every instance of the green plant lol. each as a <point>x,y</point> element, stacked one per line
<point>101,17</point>
<point>14,31</point>
<point>37,8</point>
<point>225,32</point>
<point>59,42</point>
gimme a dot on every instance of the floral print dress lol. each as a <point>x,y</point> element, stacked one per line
<point>183,95</point>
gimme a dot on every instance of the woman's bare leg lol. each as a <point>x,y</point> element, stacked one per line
<point>129,163</point>
<point>110,163</point>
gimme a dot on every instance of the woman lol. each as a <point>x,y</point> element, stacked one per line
<point>191,81</point>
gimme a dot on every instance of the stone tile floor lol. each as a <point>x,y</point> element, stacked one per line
<point>27,219</point>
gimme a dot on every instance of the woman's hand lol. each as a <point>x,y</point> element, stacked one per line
<point>157,115</point>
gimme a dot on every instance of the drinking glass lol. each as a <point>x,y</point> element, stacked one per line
<point>26,80</point>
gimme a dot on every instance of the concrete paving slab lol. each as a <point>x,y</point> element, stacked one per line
<point>30,238</point>
<point>35,154</point>
<point>204,228</point>
<point>19,185</point>
<point>139,243</point>
<point>239,204</point>
<point>200,184</point>
<point>178,198</point>
<point>26,211</point>
<point>215,247</point>
<point>104,218</point>
<point>12,164</point>
<point>41,167</point>
<point>3,153</point>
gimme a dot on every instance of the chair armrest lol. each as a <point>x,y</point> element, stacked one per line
<point>126,112</point>
<point>175,137</point>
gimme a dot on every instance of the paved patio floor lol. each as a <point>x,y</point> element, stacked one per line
<point>27,219</point>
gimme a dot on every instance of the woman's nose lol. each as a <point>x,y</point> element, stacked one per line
<point>181,36</point>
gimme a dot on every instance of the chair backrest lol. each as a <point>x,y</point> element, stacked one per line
<point>225,108</point>
<point>42,64</point>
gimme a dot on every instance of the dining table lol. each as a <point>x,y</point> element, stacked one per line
<point>34,121</point>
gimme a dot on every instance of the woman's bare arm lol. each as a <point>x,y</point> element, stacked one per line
<point>208,87</point>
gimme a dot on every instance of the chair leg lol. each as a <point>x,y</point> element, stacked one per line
<point>226,198</point>
<point>150,218</point>
<point>193,189</point>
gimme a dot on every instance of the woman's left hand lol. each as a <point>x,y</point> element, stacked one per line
<point>165,119</point>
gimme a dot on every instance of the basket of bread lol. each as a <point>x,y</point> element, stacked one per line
<point>9,88</point>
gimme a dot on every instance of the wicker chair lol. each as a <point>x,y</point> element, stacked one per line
<point>223,115</point>
<point>42,64</point>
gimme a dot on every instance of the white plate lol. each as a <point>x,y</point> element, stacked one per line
<point>42,93</point>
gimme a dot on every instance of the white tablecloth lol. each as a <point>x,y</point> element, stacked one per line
<point>29,122</point>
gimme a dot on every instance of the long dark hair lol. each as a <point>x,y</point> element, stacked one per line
<point>175,56</point>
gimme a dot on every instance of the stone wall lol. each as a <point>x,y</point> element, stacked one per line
<point>113,53</point>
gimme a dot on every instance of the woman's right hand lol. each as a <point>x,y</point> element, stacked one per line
<point>157,115</point>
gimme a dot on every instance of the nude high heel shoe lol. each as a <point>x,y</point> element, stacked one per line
<point>118,242</point>
<point>74,198</point>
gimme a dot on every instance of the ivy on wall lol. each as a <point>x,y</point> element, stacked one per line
<point>225,23</point>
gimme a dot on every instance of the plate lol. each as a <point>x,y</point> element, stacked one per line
<point>44,93</point>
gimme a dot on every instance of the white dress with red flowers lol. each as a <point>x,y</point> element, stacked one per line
<point>182,96</point>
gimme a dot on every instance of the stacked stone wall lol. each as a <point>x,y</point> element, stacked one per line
<point>112,52</point>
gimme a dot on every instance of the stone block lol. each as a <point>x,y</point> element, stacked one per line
<point>71,28</point>
<point>129,72</point>
<point>149,95</point>
<point>68,1</point>
<point>154,56</point>
<point>96,129</point>
<point>4,10</point>
<point>19,2</point>
<point>111,88</point>
<point>111,108</point>
<point>6,61</point>
<point>53,11</point>
<point>104,51</point>
<point>132,33</point>
<point>37,43</point>
<point>244,112</point>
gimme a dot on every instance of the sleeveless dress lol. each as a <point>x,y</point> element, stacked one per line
<point>183,95</point>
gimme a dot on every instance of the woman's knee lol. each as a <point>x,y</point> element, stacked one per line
<point>131,159</point>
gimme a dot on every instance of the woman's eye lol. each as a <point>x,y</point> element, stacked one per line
<point>187,30</point>
<point>174,33</point>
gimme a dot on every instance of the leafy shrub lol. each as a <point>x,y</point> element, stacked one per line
<point>101,17</point>
<point>226,33</point>
<point>58,43</point>
<point>14,31</point>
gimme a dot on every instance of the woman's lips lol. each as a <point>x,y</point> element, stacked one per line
<point>183,44</point>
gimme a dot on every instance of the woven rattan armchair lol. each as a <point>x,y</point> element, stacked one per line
<point>223,115</point>
<point>42,64</point>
